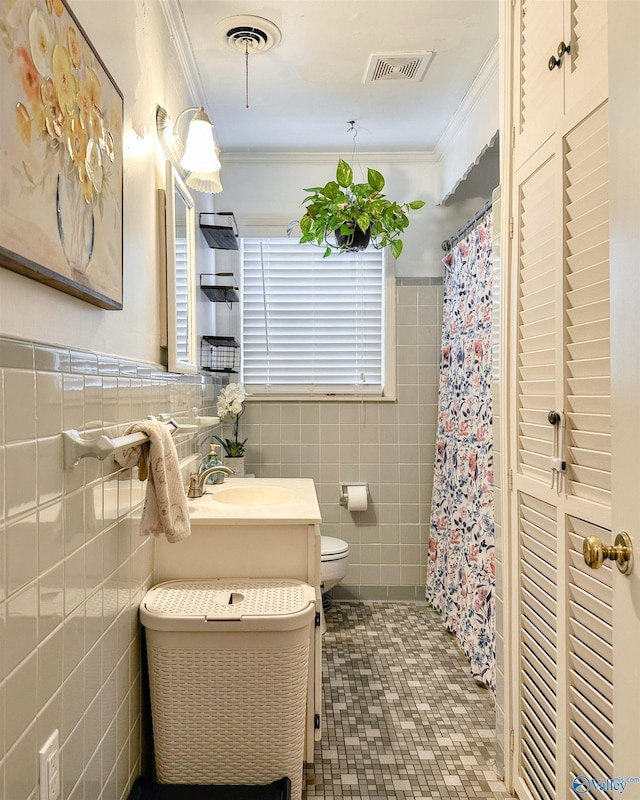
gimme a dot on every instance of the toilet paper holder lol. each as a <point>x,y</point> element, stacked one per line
<point>344,497</point>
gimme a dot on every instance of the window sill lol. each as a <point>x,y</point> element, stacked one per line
<point>319,398</point>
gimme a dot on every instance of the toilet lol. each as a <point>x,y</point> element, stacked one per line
<point>333,561</point>
<point>334,554</point>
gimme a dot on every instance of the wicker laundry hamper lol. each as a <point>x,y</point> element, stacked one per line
<point>229,663</point>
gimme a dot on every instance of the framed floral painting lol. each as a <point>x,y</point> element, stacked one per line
<point>60,154</point>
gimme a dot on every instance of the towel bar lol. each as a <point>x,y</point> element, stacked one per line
<point>75,447</point>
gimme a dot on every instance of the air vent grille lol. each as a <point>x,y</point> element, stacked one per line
<point>246,33</point>
<point>398,66</point>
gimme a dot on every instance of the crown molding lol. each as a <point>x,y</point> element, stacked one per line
<point>184,50</point>
<point>263,221</point>
<point>295,157</point>
<point>475,94</point>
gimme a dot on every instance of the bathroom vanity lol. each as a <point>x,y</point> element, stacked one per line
<point>256,528</point>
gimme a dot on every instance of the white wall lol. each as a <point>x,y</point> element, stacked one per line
<point>132,38</point>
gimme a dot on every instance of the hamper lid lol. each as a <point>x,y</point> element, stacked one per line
<point>194,605</point>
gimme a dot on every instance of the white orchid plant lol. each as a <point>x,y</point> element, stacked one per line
<point>230,407</point>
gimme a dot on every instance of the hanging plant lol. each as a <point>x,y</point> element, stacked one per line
<point>343,215</point>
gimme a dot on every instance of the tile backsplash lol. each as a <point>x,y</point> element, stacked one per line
<point>73,566</point>
<point>391,446</point>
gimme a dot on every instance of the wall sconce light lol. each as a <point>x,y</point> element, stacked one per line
<point>199,158</point>
<point>200,151</point>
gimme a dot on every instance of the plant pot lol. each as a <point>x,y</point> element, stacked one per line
<point>356,240</point>
<point>236,464</point>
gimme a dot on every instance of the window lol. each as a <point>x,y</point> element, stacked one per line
<point>182,300</point>
<point>313,325</point>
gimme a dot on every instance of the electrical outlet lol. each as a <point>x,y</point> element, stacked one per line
<point>50,768</point>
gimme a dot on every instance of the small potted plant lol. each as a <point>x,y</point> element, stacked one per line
<point>344,215</point>
<point>230,407</point>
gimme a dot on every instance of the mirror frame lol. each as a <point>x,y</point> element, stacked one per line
<point>176,187</point>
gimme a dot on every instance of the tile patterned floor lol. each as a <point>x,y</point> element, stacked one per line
<point>402,716</point>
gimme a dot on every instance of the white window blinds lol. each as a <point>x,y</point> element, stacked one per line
<point>182,300</point>
<point>312,324</point>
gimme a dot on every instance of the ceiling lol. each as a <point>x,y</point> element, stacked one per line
<point>304,91</point>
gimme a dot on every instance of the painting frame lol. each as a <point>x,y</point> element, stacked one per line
<point>61,134</point>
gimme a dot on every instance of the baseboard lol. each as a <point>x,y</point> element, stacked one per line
<point>383,593</point>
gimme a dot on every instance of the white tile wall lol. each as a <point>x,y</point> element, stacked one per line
<point>73,566</point>
<point>389,445</point>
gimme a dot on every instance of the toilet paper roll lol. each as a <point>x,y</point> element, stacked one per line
<point>357,499</point>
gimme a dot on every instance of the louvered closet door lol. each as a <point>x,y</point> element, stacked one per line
<point>539,26</point>
<point>538,645</point>
<point>586,65</point>
<point>537,318</point>
<point>588,366</point>
<point>588,437</point>
<point>565,713</point>
<point>544,95</point>
<point>537,384</point>
<point>590,649</point>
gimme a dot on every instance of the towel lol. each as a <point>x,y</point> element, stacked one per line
<point>165,507</point>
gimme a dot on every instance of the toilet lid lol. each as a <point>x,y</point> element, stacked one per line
<point>333,548</point>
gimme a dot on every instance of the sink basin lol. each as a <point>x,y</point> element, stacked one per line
<point>253,495</point>
<point>256,501</point>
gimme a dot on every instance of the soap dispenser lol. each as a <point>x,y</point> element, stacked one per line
<point>212,460</point>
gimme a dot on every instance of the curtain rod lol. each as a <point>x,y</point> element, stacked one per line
<point>448,244</point>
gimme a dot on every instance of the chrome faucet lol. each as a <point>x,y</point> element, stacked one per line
<point>197,481</point>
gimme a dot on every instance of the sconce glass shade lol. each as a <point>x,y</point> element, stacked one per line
<point>200,150</point>
<point>206,175</point>
<point>205,182</point>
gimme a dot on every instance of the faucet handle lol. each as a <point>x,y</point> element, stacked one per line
<point>195,489</point>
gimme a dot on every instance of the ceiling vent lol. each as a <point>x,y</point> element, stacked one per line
<point>398,66</point>
<point>246,33</point>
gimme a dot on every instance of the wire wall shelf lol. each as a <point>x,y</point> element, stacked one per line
<point>220,354</point>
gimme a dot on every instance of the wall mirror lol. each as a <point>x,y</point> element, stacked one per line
<point>181,275</point>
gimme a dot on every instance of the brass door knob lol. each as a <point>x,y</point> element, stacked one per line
<point>595,552</point>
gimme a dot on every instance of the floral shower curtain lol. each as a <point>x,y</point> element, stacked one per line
<point>461,567</point>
